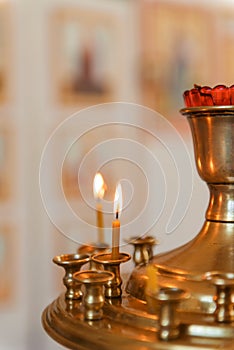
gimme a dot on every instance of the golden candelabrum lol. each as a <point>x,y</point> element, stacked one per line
<point>191,304</point>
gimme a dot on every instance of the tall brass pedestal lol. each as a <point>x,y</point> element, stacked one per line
<point>213,248</point>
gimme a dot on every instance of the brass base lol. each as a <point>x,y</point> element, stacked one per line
<point>128,326</point>
<point>186,266</point>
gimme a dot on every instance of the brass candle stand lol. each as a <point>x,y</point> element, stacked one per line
<point>71,263</point>
<point>113,287</point>
<point>202,268</point>
<point>94,296</point>
<point>143,249</point>
<point>224,283</point>
<point>169,322</point>
<point>92,249</point>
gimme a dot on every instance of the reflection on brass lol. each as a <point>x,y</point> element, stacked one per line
<point>169,322</point>
<point>71,263</point>
<point>114,301</point>
<point>94,296</point>
<point>72,304</point>
<point>143,249</point>
<point>224,297</point>
<point>113,287</point>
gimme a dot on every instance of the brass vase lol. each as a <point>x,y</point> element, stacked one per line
<point>213,248</point>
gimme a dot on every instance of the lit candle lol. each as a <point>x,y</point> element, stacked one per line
<point>99,188</point>
<point>116,222</point>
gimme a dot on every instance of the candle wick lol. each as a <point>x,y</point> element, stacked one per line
<point>117,215</point>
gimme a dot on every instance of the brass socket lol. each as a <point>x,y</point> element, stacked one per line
<point>93,299</point>
<point>92,249</point>
<point>71,264</point>
<point>143,249</point>
<point>113,287</point>
<point>224,298</point>
<point>167,301</point>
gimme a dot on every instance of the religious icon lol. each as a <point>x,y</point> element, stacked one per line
<point>84,59</point>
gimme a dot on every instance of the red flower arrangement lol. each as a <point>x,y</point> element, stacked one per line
<point>220,95</point>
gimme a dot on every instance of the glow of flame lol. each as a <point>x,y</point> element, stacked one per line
<point>98,186</point>
<point>118,201</point>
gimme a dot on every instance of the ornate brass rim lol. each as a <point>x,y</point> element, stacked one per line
<point>211,110</point>
<point>93,276</point>
<point>106,259</point>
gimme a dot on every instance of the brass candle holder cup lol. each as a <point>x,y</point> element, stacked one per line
<point>92,249</point>
<point>113,287</point>
<point>143,249</point>
<point>71,263</point>
<point>166,303</point>
<point>224,298</point>
<point>94,299</point>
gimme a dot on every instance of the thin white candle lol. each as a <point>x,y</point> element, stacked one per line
<point>116,223</point>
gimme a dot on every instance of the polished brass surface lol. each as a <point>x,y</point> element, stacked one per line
<point>169,322</point>
<point>92,249</point>
<point>213,248</point>
<point>224,297</point>
<point>221,206</point>
<point>71,263</point>
<point>93,298</point>
<point>128,326</point>
<point>212,132</point>
<point>113,288</point>
<point>143,249</point>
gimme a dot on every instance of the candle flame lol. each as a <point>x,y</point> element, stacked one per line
<point>99,186</point>
<point>118,201</point>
